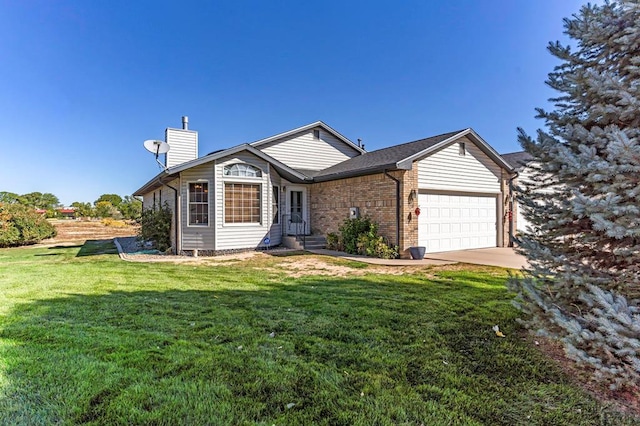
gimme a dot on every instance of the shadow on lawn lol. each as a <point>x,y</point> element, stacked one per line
<point>242,356</point>
<point>97,247</point>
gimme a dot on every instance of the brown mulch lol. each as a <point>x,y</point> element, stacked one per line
<point>626,401</point>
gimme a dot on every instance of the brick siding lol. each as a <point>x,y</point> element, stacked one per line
<point>375,196</point>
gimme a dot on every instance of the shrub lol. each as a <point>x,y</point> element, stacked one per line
<point>21,225</point>
<point>113,223</point>
<point>155,226</point>
<point>334,242</point>
<point>360,236</point>
<point>351,230</point>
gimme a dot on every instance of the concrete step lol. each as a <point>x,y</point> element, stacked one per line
<point>309,242</point>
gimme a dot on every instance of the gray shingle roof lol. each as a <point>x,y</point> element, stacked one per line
<point>517,159</point>
<point>381,159</point>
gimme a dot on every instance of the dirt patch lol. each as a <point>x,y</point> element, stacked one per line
<point>316,265</point>
<point>80,230</point>
<point>626,401</point>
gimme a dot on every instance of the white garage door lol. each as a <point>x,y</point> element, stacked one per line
<point>456,222</point>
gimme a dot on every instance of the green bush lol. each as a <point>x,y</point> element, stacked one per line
<point>360,236</point>
<point>334,242</point>
<point>351,230</point>
<point>155,226</point>
<point>21,225</point>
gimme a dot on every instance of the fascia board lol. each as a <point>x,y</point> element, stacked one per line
<point>480,143</point>
<point>406,163</point>
<point>305,128</point>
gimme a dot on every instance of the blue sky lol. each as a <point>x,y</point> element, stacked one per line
<point>84,83</point>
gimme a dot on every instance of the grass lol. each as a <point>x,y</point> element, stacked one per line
<point>87,338</point>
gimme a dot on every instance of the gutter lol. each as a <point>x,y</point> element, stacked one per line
<point>175,215</point>
<point>511,237</point>
<point>397,206</point>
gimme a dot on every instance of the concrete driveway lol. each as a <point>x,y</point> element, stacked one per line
<point>504,257</point>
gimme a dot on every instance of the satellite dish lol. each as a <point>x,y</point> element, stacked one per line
<point>156,147</point>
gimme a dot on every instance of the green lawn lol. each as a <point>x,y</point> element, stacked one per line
<point>87,338</point>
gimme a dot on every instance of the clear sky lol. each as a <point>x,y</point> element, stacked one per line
<point>84,83</point>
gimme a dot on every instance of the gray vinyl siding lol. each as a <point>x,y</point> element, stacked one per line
<point>239,236</point>
<point>447,170</point>
<point>198,237</point>
<point>303,152</point>
<point>183,146</point>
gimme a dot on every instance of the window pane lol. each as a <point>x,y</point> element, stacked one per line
<point>198,203</point>
<point>242,170</point>
<point>242,203</point>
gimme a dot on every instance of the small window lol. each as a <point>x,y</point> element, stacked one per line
<point>462,149</point>
<point>275,207</point>
<point>199,203</point>
<point>316,134</point>
<point>242,170</point>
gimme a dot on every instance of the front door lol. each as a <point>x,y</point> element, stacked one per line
<point>296,218</point>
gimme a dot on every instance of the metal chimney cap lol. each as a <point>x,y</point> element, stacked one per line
<point>185,122</point>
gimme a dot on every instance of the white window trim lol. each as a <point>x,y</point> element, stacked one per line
<point>275,189</point>
<point>224,166</point>
<point>241,180</point>
<point>208,224</point>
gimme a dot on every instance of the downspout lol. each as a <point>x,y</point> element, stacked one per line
<point>397,206</point>
<point>511,236</point>
<point>175,215</point>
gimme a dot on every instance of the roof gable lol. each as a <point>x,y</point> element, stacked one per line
<point>310,126</point>
<point>402,156</point>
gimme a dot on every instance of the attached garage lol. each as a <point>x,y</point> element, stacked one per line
<point>451,221</point>
<point>459,198</point>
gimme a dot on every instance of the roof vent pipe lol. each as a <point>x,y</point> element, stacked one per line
<point>185,122</point>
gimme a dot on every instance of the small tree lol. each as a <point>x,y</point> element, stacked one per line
<point>584,198</point>
<point>11,198</point>
<point>106,209</point>
<point>155,226</point>
<point>114,199</point>
<point>21,225</point>
<point>131,208</point>
<point>83,209</point>
<point>39,200</point>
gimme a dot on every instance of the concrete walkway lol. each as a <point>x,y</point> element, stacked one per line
<point>503,257</point>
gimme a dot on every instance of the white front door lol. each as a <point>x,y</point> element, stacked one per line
<point>296,216</point>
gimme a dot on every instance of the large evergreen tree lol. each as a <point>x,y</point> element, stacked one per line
<point>583,284</point>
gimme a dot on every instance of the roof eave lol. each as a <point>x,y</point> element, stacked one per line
<point>359,172</point>
<point>175,171</point>
<point>481,143</point>
<point>309,127</point>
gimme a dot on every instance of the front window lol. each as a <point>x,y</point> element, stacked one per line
<point>275,208</point>
<point>199,203</point>
<point>242,203</point>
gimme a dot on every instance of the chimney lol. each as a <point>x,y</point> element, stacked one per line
<point>183,144</point>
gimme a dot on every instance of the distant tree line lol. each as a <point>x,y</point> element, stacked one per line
<point>107,205</point>
<point>110,205</point>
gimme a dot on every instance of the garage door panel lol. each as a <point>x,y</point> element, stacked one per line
<point>456,222</point>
